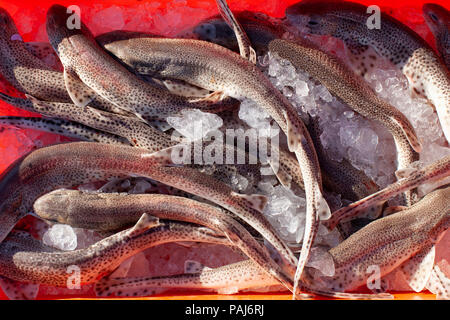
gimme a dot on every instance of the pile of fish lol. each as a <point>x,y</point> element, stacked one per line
<point>120,94</point>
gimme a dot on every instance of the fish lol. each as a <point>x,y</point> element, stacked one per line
<point>239,79</point>
<point>245,47</point>
<point>137,132</point>
<point>72,164</point>
<point>348,21</point>
<point>438,20</point>
<point>66,128</point>
<point>344,84</point>
<point>231,278</point>
<point>410,178</point>
<point>404,240</point>
<point>25,259</point>
<point>30,75</point>
<point>109,212</point>
<point>83,59</point>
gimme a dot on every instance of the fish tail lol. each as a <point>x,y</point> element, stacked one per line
<point>319,211</point>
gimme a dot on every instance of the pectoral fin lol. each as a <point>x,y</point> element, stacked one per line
<point>417,270</point>
<point>183,89</point>
<point>80,94</point>
<point>16,290</point>
<point>213,97</point>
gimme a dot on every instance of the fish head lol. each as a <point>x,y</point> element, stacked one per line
<point>313,17</point>
<point>53,206</point>
<point>8,27</point>
<point>216,31</point>
<point>435,16</point>
<point>63,24</point>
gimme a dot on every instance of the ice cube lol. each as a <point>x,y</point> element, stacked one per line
<point>60,236</point>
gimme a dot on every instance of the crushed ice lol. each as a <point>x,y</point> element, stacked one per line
<point>195,124</point>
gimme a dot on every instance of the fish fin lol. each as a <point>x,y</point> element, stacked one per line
<point>184,89</point>
<point>257,201</point>
<point>439,284</point>
<point>213,97</point>
<point>192,266</point>
<point>16,290</point>
<point>417,270</point>
<point>145,223</point>
<point>243,41</point>
<point>409,131</point>
<point>393,209</point>
<point>284,177</point>
<point>80,94</point>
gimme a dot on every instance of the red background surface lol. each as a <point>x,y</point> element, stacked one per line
<point>29,16</point>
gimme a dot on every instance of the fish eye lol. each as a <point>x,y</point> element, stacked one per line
<point>433,17</point>
<point>313,23</point>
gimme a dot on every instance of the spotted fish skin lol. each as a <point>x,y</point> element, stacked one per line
<point>26,259</point>
<point>424,70</point>
<point>390,241</point>
<point>72,164</point>
<point>343,83</point>
<point>83,58</point>
<point>107,212</point>
<point>137,132</point>
<point>434,172</point>
<point>438,20</point>
<point>63,127</point>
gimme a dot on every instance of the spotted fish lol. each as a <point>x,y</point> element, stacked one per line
<point>63,127</point>
<point>412,178</point>
<point>404,240</point>
<point>243,275</point>
<point>106,212</point>
<point>84,60</point>
<point>26,259</point>
<point>137,132</point>
<point>343,83</point>
<point>394,41</point>
<point>72,164</point>
<point>227,73</point>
